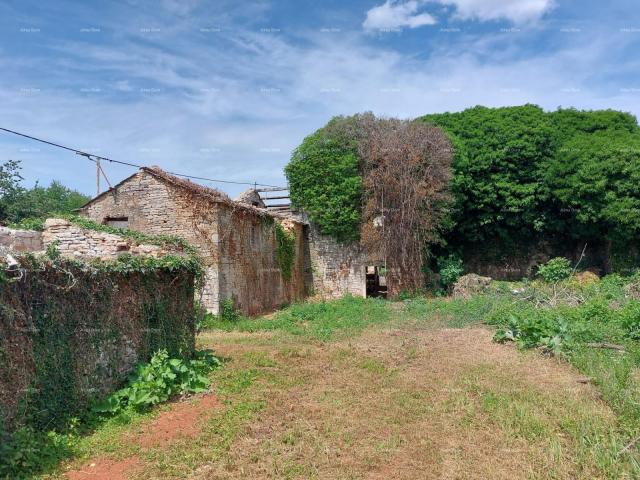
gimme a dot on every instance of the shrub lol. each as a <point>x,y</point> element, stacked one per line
<point>451,268</point>
<point>324,179</point>
<point>228,311</point>
<point>630,320</point>
<point>28,451</point>
<point>555,270</point>
<point>159,380</point>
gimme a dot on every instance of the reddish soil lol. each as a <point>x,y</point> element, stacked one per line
<point>180,421</point>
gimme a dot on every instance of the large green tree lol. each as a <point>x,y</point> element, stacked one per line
<point>498,164</point>
<point>324,178</point>
<point>595,183</point>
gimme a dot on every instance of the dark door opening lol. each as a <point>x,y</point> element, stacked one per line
<point>376,281</point>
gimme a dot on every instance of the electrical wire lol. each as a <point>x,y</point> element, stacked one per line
<point>129,164</point>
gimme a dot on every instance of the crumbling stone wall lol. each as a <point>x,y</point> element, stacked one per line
<point>71,335</point>
<point>155,207</point>
<point>20,240</point>
<point>335,268</point>
<point>74,241</point>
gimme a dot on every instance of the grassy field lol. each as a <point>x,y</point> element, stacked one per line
<point>363,388</point>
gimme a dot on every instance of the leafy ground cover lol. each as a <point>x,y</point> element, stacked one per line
<point>27,452</point>
<point>423,388</point>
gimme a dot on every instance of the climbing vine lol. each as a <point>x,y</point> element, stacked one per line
<point>286,250</point>
<point>70,328</point>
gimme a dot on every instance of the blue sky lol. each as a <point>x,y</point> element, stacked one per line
<point>228,89</point>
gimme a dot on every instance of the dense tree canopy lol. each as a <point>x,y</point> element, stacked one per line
<point>499,158</point>
<point>18,203</point>
<point>596,178</point>
<point>324,178</point>
<point>520,173</point>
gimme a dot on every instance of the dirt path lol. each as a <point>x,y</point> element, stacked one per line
<point>182,420</point>
<point>401,404</point>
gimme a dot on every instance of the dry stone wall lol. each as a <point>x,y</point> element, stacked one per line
<point>73,241</point>
<point>20,240</point>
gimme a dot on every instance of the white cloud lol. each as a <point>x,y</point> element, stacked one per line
<point>517,11</point>
<point>393,15</point>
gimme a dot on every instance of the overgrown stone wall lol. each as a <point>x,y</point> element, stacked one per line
<point>74,241</point>
<point>70,334</point>
<point>335,268</point>
<point>249,269</point>
<point>236,242</point>
<point>155,207</point>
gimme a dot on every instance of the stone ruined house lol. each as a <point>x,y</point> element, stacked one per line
<point>236,241</point>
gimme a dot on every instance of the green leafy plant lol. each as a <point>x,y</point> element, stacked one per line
<point>555,270</point>
<point>36,224</point>
<point>228,312</point>
<point>27,450</point>
<point>52,250</point>
<point>451,268</point>
<point>286,251</point>
<point>324,179</point>
<point>630,320</point>
<point>159,380</point>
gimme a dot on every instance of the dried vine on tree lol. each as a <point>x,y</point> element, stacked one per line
<point>406,176</point>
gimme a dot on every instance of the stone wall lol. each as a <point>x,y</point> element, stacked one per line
<point>71,335</point>
<point>74,241</point>
<point>20,240</point>
<point>156,207</point>
<point>335,268</point>
<point>249,272</point>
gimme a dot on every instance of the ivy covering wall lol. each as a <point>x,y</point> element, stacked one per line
<point>71,332</point>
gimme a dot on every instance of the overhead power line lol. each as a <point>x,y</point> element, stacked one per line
<point>94,157</point>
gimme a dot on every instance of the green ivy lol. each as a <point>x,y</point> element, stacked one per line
<point>286,251</point>
<point>68,301</point>
<point>324,179</point>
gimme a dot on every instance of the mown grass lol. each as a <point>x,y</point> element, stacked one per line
<point>562,319</point>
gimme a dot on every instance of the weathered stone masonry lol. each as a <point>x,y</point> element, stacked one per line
<point>236,242</point>
<point>335,268</point>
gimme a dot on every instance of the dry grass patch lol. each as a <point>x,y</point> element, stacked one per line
<point>414,403</point>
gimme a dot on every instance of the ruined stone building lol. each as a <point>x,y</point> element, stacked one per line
<point>236,240</point>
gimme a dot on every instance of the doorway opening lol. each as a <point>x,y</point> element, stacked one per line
<point>376,281</point>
